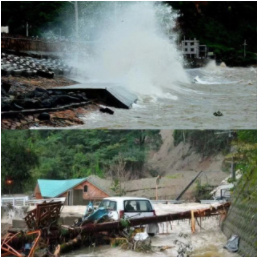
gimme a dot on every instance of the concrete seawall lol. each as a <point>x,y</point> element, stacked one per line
<point>242,218</point>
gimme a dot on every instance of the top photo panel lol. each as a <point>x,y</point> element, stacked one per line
<point>128,65</point>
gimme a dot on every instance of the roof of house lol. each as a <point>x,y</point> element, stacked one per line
<point>102,184</point>
<point>54,188</point>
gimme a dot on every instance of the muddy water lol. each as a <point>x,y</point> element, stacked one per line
<point>233,91</point>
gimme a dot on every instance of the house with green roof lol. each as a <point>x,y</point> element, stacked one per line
<point>77,191</point>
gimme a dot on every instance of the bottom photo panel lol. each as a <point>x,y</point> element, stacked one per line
<point>116,193</point>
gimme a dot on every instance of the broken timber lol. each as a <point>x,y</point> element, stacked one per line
<point>44,215</point>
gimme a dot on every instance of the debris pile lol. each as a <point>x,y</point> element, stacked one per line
<point>48,238</point>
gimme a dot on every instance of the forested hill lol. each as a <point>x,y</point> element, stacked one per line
<point>64,154</point>
<point>222,26</point>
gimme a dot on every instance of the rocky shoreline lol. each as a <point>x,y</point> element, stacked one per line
<point>28,102</point>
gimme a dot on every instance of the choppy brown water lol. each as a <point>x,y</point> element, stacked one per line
<point>233,91</point>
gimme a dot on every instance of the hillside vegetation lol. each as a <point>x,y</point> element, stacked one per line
<point>63,154</point>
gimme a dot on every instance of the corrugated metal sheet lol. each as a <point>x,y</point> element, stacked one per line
<point>53,188</point>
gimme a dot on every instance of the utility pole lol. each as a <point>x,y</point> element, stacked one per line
<point>27,29</point>
<point>233,174</point>
<point>76,19</point>
<point>75,3</point>
<point>244,48</point>
<point>156,186</point>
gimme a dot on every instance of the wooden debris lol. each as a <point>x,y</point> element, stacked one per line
<point>44,215</point>
<point>67,238</point>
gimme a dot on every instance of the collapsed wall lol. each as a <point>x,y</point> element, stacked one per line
<point>242,216</point>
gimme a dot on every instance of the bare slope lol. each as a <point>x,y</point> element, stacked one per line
<point>178,165</point>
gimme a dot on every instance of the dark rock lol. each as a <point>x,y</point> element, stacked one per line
<point>5,106</point>
<point>50,92</point>
<point>6,72</point>
<point>17,72</point>
<point>107,110</point>
<point>6,86</point>
<point>218,113</point>
<point>32,103</point>
<point>44,116</point>
<point>41,90</point>
<point>40,93</point>
<point>58,92</point>
<point>28,73</point>
<point>46,74</point>
<point>49,103</point>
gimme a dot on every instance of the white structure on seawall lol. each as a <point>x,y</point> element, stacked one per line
<point>5,29</point>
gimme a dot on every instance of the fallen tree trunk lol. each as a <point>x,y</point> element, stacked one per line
<point>119,225</point>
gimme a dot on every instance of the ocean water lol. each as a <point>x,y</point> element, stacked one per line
<point>232,91</point>
<point>136,45</point>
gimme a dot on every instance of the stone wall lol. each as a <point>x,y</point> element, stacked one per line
<point>242,217</point>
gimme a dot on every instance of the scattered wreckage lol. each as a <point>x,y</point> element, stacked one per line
<point>45,237</point>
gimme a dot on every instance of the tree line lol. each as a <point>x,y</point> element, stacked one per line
<point>64,154</point>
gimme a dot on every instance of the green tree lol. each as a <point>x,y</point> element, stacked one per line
<point>16,163</point>
<point>64,154</point>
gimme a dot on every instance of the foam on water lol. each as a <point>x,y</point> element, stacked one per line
<point>136,46</point>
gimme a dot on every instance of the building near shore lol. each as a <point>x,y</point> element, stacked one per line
<point>77,191</point>
<point>4,29</point>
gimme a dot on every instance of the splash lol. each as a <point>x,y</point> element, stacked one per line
<point>136,46</point>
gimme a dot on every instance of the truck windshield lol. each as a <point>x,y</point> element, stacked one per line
<point>109,205</point>
<point>137,205</point>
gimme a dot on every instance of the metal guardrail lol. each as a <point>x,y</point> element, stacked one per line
<point>167,201</point>
<point>24,201</point>
<point>14,201</point>
<point>39,201</point>
<point>212,201</point>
